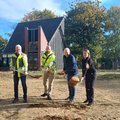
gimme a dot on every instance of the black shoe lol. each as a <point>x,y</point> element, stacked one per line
<point>45,94</point>
<point>15,100</point>
<point>67,98</point>
<point>25,100</point>
<point>49,98</point>
<point>85,101</point>
<point>89,103</point>
<point>71,101</point>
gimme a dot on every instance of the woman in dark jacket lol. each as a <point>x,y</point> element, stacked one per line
<point>89,74</point>
<point>71,69</point>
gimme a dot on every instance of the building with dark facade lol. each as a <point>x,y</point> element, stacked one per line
<point>33,36</point>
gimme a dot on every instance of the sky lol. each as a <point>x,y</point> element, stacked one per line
<point>12,11</point>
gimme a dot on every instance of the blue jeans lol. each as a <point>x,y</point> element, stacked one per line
<point>71,89</point>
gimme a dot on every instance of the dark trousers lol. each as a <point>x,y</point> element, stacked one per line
<point>89,84</point>
<point>71,88</point>
<point>24,86</point>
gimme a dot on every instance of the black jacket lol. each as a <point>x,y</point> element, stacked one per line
<point>88,72</point>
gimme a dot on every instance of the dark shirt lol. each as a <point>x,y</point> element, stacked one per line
<point>91,70</point>
<point>70,65</point>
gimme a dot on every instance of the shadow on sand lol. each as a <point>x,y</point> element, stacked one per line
<point>37,102</point>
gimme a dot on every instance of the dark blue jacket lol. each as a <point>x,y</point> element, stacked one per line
<point>70,65</point>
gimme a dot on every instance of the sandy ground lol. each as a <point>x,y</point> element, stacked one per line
<point>106,106</point>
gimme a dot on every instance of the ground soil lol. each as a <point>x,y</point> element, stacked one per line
<point>106,105</point>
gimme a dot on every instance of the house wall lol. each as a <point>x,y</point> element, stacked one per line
<point>42,45</point>
<point>57,46</point>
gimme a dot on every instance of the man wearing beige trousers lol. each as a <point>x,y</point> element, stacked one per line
<point>49,67</point>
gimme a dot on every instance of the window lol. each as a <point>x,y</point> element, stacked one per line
<point>36,35</point>
<point>32,35</point>
<point>29,35</point>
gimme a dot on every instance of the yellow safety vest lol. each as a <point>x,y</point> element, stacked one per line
<point>19,63</point>
<point>48,61</point>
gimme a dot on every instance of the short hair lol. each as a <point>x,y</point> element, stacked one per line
<point>48,47</point>
<point>68,50</point>
<point>19,46</point>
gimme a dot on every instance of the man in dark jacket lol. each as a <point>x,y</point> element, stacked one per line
<point>71,69</point>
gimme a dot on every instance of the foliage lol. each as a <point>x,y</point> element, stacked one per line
<point>3,43</point>
<point>84,27</point>
<point>112,41</point>
<point>38,14</point>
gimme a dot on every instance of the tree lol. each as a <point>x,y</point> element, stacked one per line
<point>38,14</point>
<point>112,43</point>
<point>84,27</point>
<point>3,43</point>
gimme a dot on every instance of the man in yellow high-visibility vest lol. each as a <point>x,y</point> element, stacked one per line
<point>19,65</point>
<point>49,66</point>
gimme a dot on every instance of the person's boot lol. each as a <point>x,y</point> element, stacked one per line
<point>25,100</point>
<point>90,103</point>
<point>49,97</point>
<point>71,101</point>
<point>44,94</point>
<point>15,100</point>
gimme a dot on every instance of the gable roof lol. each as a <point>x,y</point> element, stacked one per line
<point>49,27</point>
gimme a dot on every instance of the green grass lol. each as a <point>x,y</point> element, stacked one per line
<point>108,74</point>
